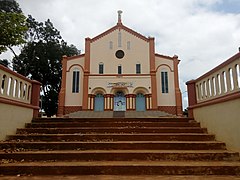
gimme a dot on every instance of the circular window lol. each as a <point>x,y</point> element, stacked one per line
<point>119,54</point>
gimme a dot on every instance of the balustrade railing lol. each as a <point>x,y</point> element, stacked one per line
<point>221,81</point>
<point>214,100</point>
<point>14,86</point>
<point>216,85</point>
<point>18,90</point>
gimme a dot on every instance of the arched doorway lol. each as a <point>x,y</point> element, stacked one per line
<point>119,101</point>
<point>99,102</point>
<point>140,102</point>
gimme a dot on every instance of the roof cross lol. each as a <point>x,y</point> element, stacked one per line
<point>119,16</point>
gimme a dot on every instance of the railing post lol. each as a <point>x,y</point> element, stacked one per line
<point>192,98</point>
<point>35,97</point>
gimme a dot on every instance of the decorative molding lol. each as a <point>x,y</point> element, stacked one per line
<point>163,56</point>
<point>75,65</point>
<point>118,27</point>
<point>75,57</point>
<point>17,103</point>
<point>165,65</point>
<point>221,99</point>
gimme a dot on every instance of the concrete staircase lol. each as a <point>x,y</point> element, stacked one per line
<point>116,146</point>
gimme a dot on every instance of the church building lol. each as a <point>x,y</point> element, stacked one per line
<point>120,71</point>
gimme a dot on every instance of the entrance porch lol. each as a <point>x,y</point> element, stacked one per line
<point>119,102</point>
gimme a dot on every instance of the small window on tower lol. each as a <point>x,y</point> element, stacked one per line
<point>100,68</point>
<point>138,68</point>
<point>119,39</point>
<point>128,45</point>
<point>119,69</point>
<point>110,45</point>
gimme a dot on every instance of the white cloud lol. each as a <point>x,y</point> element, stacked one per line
<point>201,36</point>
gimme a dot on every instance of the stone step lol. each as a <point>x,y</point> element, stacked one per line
<point>111,114</point>
<point>117,145</point>
<point>121,155</point>
<point>128,177</point>
<point>111,124</point>
<point>114,137</point>
<point>122,168</point>
<point>93,130</point>
<point>100,119</point>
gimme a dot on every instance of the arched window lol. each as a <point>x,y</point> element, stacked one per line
<point>101,68</point>
<point>164,81</point>
<point>75,82</point>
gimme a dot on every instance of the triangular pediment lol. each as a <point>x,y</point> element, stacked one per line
<point>120,26</point>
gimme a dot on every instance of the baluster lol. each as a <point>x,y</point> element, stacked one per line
<point>11,87</point>
<point>5,85</point>
<point>228,79</point>
<point>207,87</point>
<point>222,83</point>
<point>235,78</point>
<point>216,88</point>
<point>1,78</point>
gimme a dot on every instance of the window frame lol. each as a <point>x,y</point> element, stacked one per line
<point>75,81</point>
<point>101,68</point>
<point>138,68</point>
<point>119,69</point>
<point>164,82</point>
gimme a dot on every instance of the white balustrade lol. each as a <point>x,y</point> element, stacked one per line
<point>14,86</point>
<point>220,82</point>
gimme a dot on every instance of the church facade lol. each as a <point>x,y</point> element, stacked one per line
<point>120,71</point>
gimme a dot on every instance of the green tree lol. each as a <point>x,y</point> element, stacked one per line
<point>12,25</point>
<point>40,59</point>
<point>4,62</point>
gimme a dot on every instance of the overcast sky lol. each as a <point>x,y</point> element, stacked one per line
<point>203,33</point>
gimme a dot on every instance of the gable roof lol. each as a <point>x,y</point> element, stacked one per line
<point>163,56</point>
<point>75,56</point>
<point>120,26</point>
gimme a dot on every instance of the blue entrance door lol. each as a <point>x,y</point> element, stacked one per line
<point>99,103</point>
<point>140,102</point>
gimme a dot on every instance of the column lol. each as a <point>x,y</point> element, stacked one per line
<point>62,93</point>
<point>35,97</point>
<point>108,102</point>
<point>178,94</point>
<point>192,99</point>
<point>91,102</point>
<point>153,72</point>
<point>86,73</point>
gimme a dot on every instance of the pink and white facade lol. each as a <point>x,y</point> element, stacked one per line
<point>120,71</point>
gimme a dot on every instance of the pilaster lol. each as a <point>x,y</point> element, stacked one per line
<point>178,94</point>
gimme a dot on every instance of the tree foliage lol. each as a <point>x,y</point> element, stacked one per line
<point>12,25</point>
<point>4,62</point>
<point>40,59</point>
